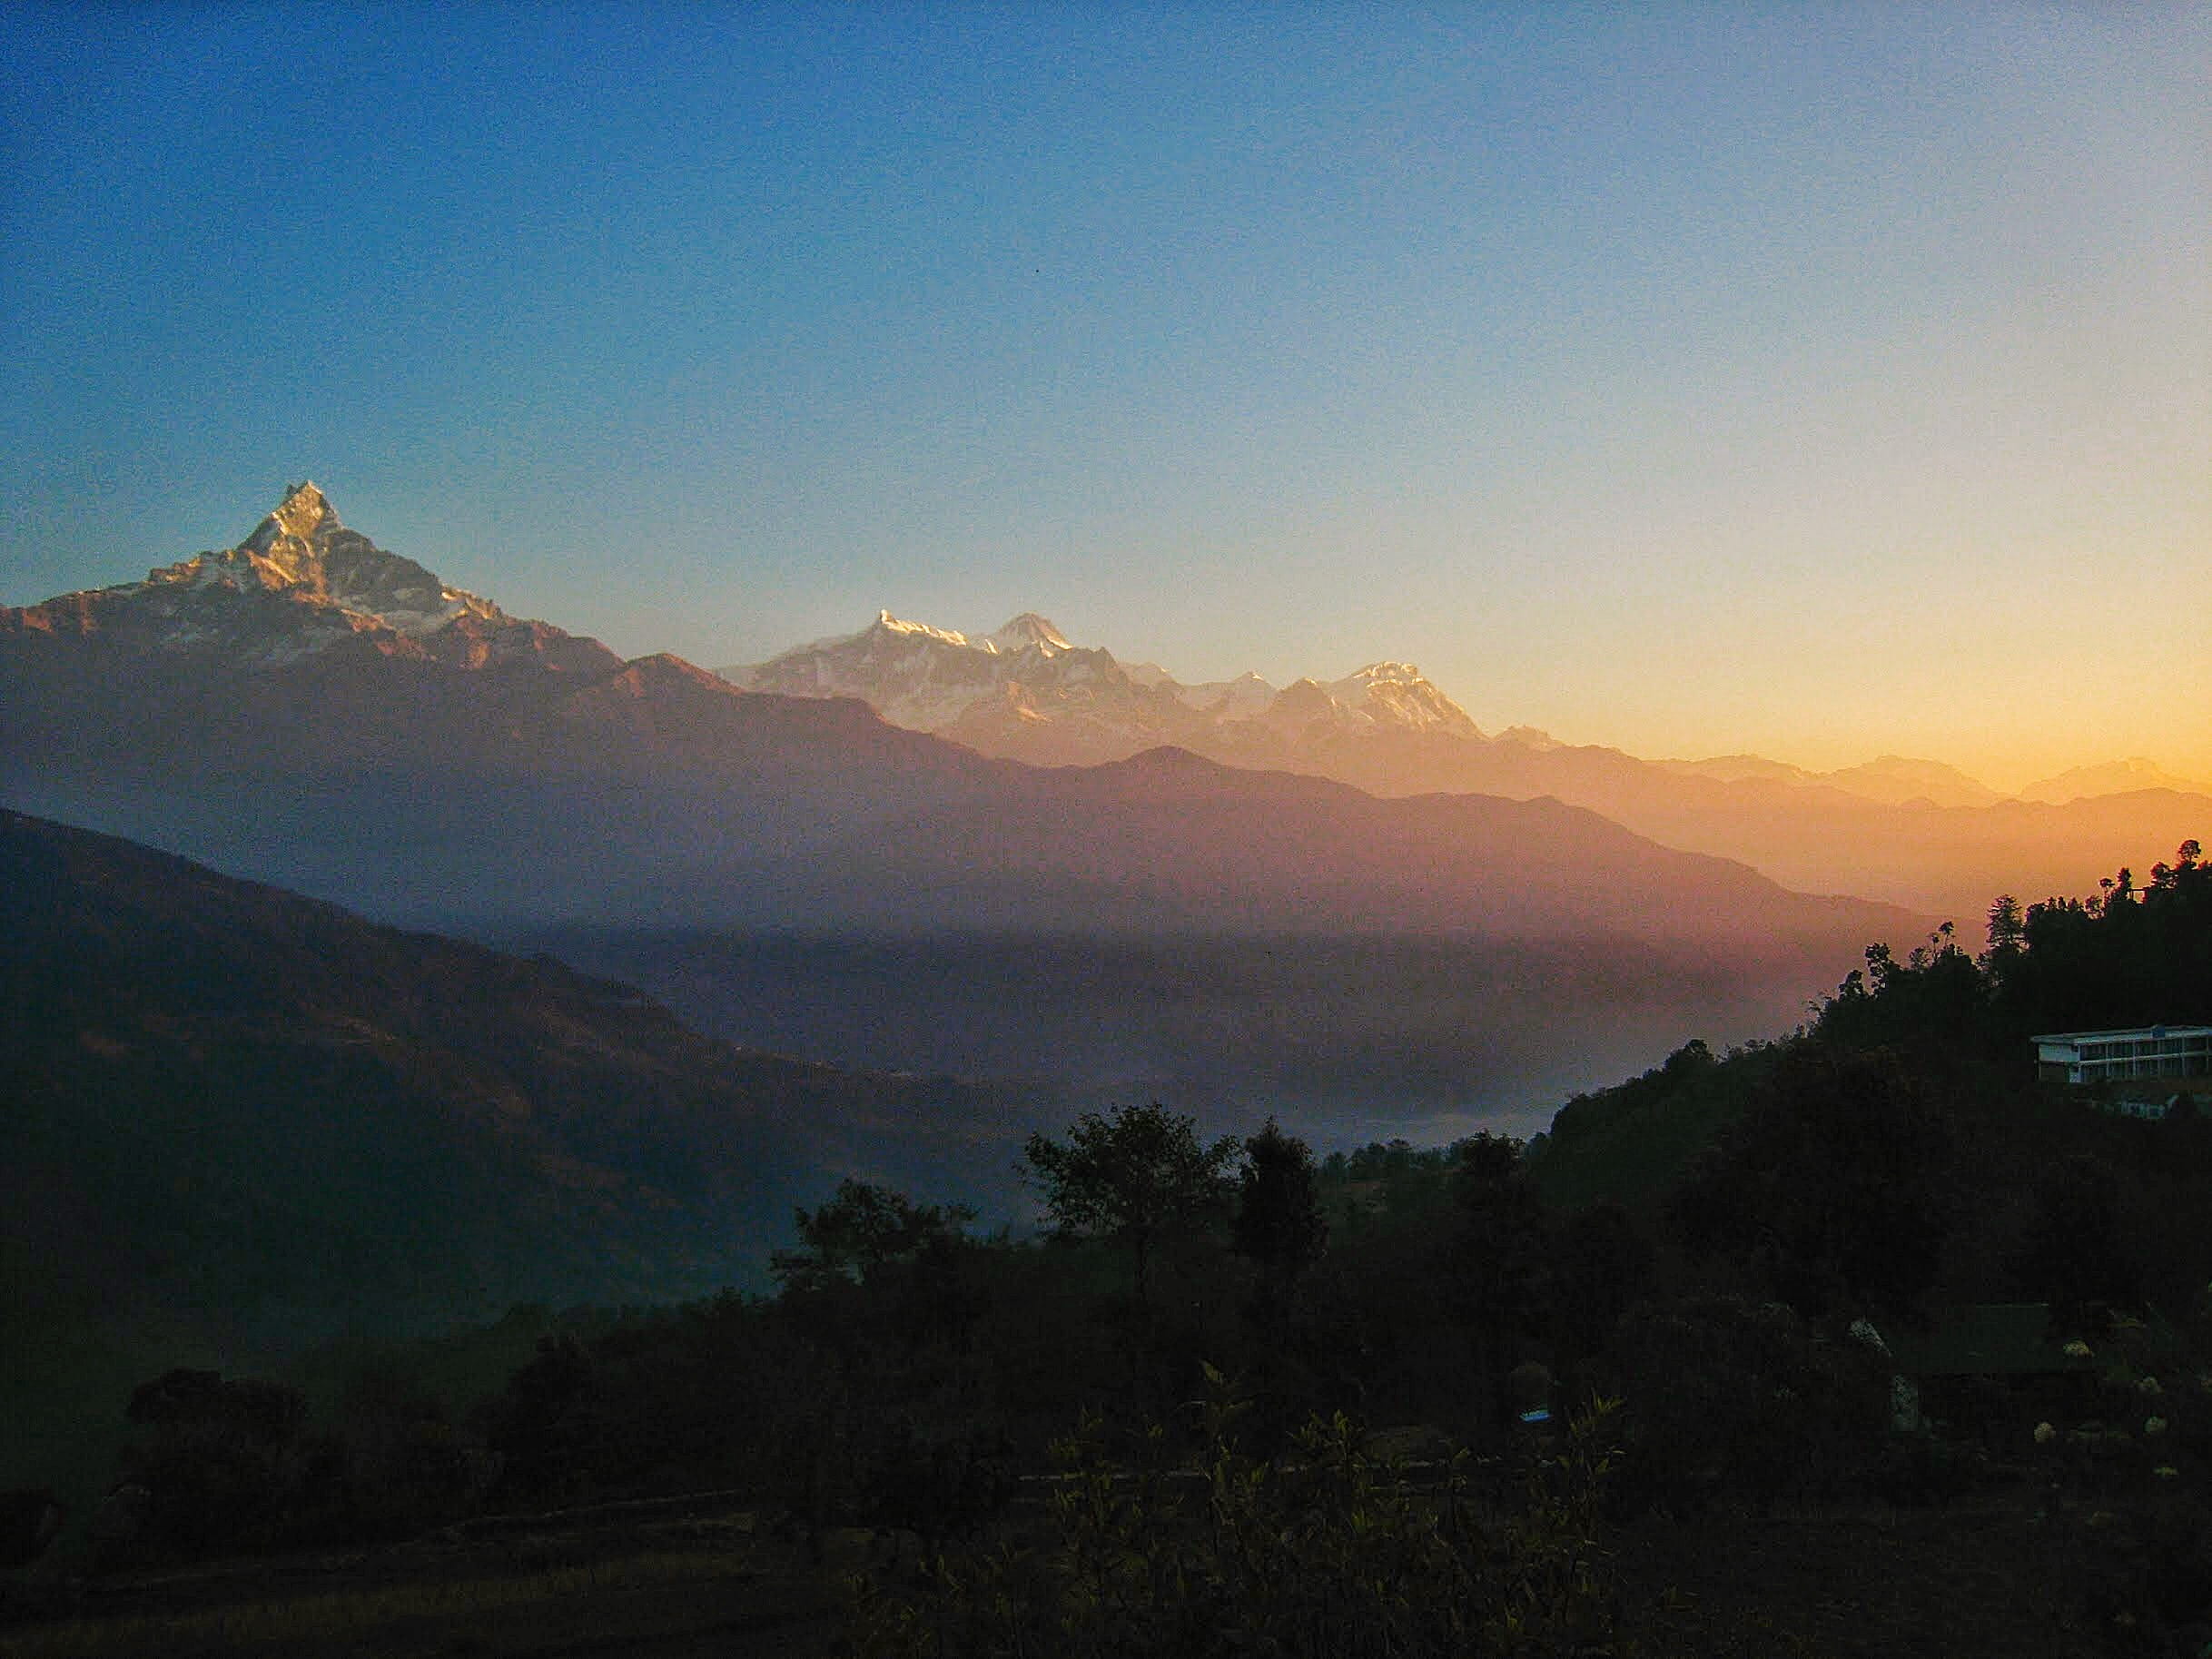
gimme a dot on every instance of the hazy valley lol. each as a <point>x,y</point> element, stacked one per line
<point>438,763</point>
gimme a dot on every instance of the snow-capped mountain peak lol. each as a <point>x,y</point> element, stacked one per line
<point>1396,695</point>
<point>1026,630</point>
<point>1026,690</point>
<point>302,584</point>
<point>913,674</point>
<point>303,552</point>
<point>304,512</point>
<point>981,689</point>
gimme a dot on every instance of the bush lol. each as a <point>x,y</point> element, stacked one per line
<point>1328,1550</point>
<point>1750,1402</point>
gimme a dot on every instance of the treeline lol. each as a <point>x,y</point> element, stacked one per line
<point>1721,1244</point>
<point>907,1370</point>
<point>1900,1151</point>
<point>2125,956</point>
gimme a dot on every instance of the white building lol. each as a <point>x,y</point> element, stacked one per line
<point>2165,1054</point>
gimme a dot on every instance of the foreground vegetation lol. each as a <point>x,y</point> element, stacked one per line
<point>1472,1400</point>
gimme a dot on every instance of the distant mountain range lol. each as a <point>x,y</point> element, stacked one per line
<point>799,872</point>
<point>309,709</point>
<point>1912,832</point>
<point>1026,692</point>
<point>2109,777</point>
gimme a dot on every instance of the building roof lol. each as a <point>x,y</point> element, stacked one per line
<point>2153,1031</point>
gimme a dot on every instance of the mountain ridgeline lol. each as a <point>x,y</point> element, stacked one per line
<point>243,708</point>
<point>234,1121</point>
<point>1375,912</point>
<point>1911,832</point>
<point>309,711</point>
<point>211,1082</point>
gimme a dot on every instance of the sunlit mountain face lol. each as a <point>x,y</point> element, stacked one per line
<point>303,585</point>
<point>1024,691</point>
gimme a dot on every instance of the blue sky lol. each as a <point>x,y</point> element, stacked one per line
<point>1818,380</point>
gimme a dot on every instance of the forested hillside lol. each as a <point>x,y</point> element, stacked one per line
<point>1735,1288</point>
<point>236,1122</point>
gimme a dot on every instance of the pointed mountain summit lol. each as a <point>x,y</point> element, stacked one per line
<point>1026,630</point>
<point>303,513</point>
<point>1398,695</point>
<point>301,586</point>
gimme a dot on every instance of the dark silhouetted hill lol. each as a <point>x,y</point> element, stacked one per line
<point>233,1103</point>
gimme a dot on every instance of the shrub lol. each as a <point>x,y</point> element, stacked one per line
<point>1326,1550</point>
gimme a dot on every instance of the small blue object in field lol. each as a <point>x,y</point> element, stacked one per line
<point>1538,1416</point>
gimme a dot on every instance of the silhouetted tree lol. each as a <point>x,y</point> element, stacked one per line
<point>862,1231</point>
<point>1278,1222</point>
<point>1133,1178</point>
<point>1278,1226</point>
<point>1936,996</point>
<point>1498,1257</point>
<point>222,1462</point>
<point>2008,931</point>
<point>542,1424</point>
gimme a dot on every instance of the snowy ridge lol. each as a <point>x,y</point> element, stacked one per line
<point>303,550</point>
<point>1025,690</point>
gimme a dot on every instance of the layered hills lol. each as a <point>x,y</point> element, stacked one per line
<point>1440,955</point>
<point>438,760</point>
<point>1911,832</point>
<point>222,1092</point>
